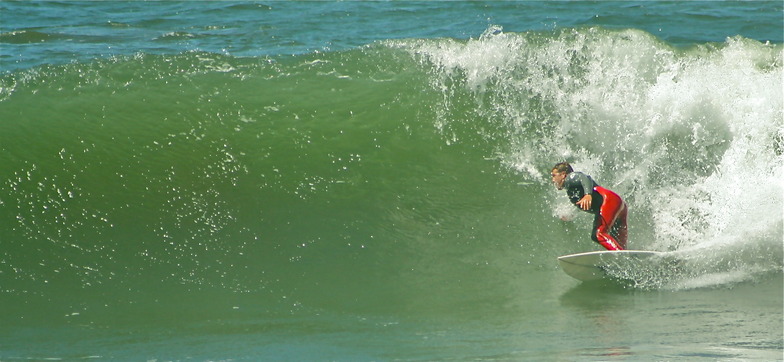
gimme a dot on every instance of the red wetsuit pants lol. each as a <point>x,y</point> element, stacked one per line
<point>609,225</point>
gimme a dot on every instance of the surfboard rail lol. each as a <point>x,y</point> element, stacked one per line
<point>597,265</point>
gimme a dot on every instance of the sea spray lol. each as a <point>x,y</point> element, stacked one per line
<point>690,137</point>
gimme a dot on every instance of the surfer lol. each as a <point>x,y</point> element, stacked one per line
<point>609,223</point>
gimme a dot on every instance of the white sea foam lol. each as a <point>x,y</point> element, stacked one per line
<point>692,138</point>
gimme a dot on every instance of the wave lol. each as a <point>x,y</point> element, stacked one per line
<point>30,36</point>
<point>25,37</point>
<point>363,166</point>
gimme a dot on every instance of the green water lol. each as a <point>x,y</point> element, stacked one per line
<point>477,314</point>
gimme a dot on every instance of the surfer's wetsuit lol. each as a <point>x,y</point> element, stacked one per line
<point>609,224</point>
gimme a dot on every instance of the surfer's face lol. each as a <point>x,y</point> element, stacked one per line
<point>558,178</point>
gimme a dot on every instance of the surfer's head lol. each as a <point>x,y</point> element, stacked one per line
<point>559,173</point>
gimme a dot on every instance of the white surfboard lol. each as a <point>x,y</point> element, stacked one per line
<point>596,265</point>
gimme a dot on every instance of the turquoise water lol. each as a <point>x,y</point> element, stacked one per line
<point>369,181</point>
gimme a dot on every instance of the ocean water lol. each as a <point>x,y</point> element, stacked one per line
<point>365,181</point>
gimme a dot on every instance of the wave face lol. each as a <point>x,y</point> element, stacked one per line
<point>360,170</point>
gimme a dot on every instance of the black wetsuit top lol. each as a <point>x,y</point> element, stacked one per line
<point>576,184</point>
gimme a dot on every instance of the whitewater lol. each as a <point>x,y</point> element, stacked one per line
<point>693,136</point>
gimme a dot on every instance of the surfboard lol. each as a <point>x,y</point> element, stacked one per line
<point>597,265</point>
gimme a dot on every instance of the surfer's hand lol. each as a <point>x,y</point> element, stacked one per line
<point>585,202</point>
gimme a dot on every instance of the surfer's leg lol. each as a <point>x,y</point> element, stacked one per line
<point>623,230</point>
<point>613,209</point>
<point>619,230</point>
<point>603,237</point>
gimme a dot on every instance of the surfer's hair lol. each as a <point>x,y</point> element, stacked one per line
<point>563,167</point>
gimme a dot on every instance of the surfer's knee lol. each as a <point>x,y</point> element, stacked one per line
<point>607,240</point>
